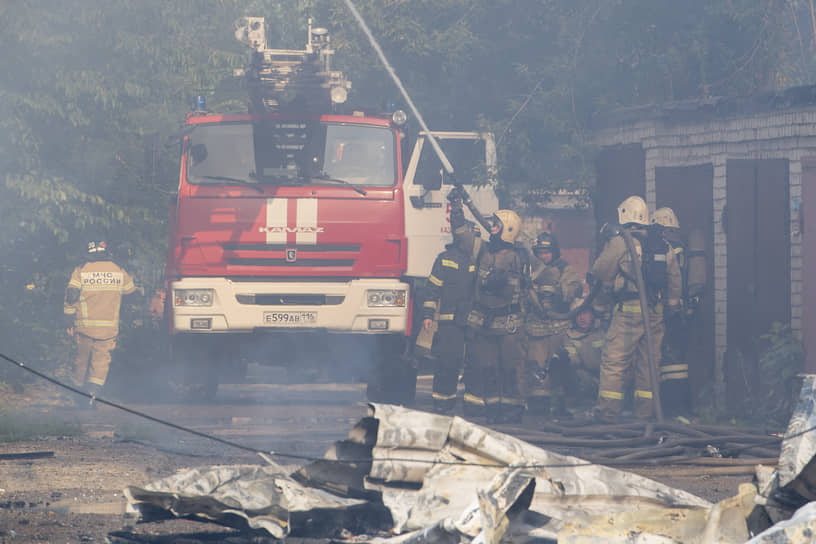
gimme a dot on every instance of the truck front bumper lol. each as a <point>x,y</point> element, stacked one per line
<point>247,305</point>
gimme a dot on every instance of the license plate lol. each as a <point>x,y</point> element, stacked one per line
<point>289,319</point>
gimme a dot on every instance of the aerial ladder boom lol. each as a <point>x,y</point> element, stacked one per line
<point>281,79</point>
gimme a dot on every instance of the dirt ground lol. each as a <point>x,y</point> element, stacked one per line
<point>75,495</point>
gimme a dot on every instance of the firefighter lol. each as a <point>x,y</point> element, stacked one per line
<point>555,285</point>
<point>495,336</point>
<point>93,298</point>
<point>583,346</point>
<point>625,347</point>
<point>675,392</point>
<point>447,298</point>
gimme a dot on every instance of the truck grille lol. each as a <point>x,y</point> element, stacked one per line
<point>274,255</point>
<point>273,299</point>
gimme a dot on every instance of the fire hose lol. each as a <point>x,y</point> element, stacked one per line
<point>647,324</point>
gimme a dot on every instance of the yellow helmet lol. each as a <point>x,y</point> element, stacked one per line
<point>633,210</point>
<point>511,225</point>
<point>665,217</point>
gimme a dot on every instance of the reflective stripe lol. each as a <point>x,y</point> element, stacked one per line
<point>473,399</point>
<point>69,311</point>
<point>436,281</point>
<point>440,396</point>
<point>614,395</point>
<point>678,250</point>
<point>74,283</point>
<point>571,350</point>
<point>674,376</point>
<point>445,317</point>
<point>634,307</point>
<point>429,304</point>
<point>597,343</point>
<point>674,368</point>
<point>546,288</point>
<point>472,268</point>
<point>641,394</point>
<point>512,402</point>
<point>659,257</point>
<point>95,323</point>
<point>450,264</point>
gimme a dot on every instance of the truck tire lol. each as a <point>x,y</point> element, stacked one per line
<point>194,369</point>
<point>393,378</point>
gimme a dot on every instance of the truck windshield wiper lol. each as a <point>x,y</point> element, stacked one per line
<point>237,181</point>
<point>325,177</point>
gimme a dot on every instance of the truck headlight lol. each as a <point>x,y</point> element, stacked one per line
<point>385,297</point>
<point>192,297</point>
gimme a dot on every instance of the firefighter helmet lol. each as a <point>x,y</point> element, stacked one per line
<point>467,226</point>
<point>97,248</point>
<point>633,210</point>
<point>666,217</point>
<point>510,225</point>
<point>547,242</point>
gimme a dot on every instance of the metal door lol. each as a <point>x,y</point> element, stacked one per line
<point>757,236</point>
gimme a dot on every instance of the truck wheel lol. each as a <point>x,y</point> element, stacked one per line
<point>393,379</point>
<point>194,369</point>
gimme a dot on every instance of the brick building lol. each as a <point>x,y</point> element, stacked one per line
<point>742,171</point>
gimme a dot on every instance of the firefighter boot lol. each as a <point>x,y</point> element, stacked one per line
<point>539,405</point>
<point>444,406</point>
<point>93,390</point>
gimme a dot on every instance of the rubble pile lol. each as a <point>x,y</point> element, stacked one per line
<point>404,476</point>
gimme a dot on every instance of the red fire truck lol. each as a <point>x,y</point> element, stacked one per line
<point>304,221</point>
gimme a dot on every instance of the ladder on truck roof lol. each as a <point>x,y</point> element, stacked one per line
<point>289,79</point>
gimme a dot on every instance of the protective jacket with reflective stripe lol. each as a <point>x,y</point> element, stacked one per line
<point>101,285</point>
<point>450,286</point>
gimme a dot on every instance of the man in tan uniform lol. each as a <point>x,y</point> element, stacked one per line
<point>92,300</point>
<point>584,346</point>
<point>555,284</point>
<point>625,347</point>
<point>496,350</point>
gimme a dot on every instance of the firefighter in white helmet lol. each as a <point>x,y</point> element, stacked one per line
<point>494,373</point>
<point>93,298</point>
<point>625,348</point>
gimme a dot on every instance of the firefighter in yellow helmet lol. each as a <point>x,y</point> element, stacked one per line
<point>675,391</point>
<point>93,298</point>
<point>554,286</point>
<point>625,349</point>
<point>494,372</point>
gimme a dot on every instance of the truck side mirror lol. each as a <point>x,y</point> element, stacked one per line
<point>433,182</point>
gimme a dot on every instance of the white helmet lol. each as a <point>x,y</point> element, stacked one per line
<point>511,225</point>
<point>633,210</point>
<point>665,217</point>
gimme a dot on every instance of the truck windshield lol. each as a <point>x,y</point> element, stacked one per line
<point>291,153</point>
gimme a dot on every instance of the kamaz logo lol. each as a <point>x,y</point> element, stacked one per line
<point>297,230</point>
<point>295,224</point>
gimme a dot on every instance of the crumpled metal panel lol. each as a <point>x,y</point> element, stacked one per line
<point>478,486</point>
<point>797,452</point>
<point>799,529</point>
<point>264,497</point>
<point>723,523</point>
<point>566,487</point>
